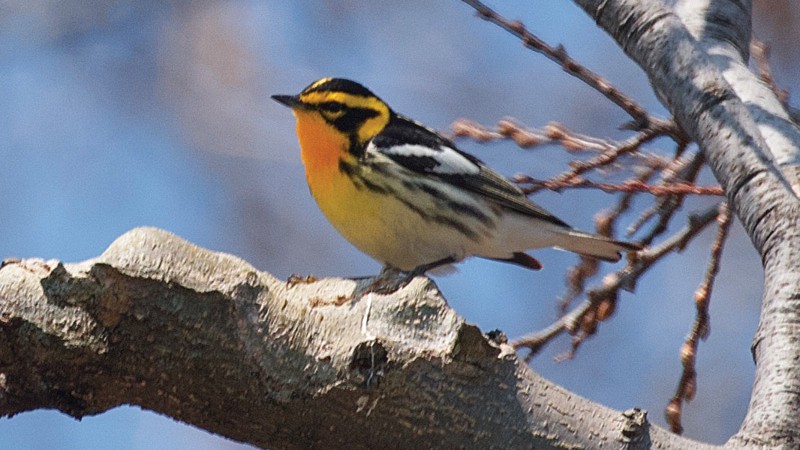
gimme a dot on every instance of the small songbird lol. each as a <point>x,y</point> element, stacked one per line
<point>406,196</point>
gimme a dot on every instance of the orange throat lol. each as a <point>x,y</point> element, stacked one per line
<point>321,148</point>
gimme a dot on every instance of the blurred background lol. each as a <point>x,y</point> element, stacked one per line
<point>117,114</point>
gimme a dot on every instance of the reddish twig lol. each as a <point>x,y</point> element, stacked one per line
<point>526,137</point>
<point>628,186</point>
<point>608,156</point>
<point>506,129</point>
<point>666,207</point>
<point>605,222</point>
<point>642,119</point>
<point>553,132</point>
<point>582,321</point>
<point>687,386</point>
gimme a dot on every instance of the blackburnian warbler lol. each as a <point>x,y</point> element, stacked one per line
<point>406,196</point>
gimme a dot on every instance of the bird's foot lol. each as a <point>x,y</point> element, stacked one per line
<point>391,280</point>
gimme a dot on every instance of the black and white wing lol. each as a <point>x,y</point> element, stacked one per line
<point>422,150</point>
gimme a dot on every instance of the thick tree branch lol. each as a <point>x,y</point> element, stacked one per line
<point>760,191</point>
<point>723,30</point>
<point>207,339</point>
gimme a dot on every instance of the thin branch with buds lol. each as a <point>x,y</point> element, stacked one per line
<point>687,386</point>
<point>670,180</point>
<point>525,137</point>
<point>582,321</point>
<point>556,133</point>
<point>605,222</point>
<point>642,120</point>
<point>628,186</point>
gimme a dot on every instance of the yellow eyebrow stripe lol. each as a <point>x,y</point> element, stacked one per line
<point>349,100</point>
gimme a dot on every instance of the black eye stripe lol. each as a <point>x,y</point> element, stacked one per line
<point>331,106</point>
<point>353,119</point>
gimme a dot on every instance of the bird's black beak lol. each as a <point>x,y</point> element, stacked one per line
<point>292,101</point>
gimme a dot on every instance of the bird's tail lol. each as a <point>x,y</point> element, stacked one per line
<point>593,245</point>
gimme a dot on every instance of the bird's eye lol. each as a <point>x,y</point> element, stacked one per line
<point>333,107</point>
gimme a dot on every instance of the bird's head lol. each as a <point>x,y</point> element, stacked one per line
<point>344,105</point>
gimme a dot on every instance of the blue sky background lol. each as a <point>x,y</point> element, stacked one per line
<point>116,114</point>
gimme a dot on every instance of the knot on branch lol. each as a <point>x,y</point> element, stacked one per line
<point>634,426</point>
<point>369,360</point>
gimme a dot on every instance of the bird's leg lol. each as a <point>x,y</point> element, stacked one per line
<point>388,281</point>
<point>391,279</point>
<point>420,270</point>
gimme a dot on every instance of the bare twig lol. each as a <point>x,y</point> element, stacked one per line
<point>601,301</point>
<point>667,206</point>
<point>553,132</point>
<point>608,156</point>
<point>605,222</point>
<point>506,129</point>
<point>526,137</point>
<point>687,386</point>
<point>674,167</point>
<point>631,186</point>
<point>642,119</point>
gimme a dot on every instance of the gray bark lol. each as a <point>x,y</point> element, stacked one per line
<point>757,171</point>
<point>207,339</point>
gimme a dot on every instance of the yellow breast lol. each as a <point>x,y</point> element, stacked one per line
<point>355,213</point>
